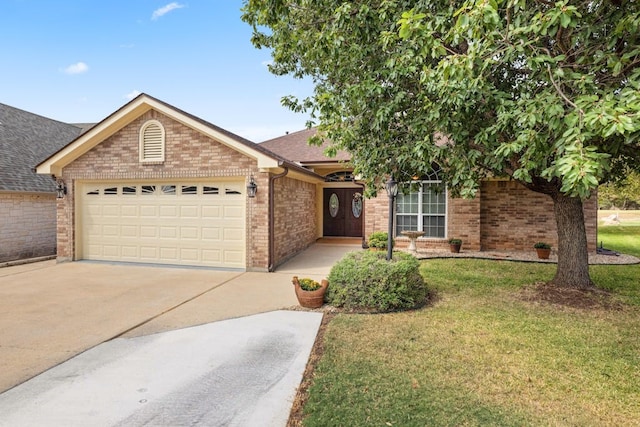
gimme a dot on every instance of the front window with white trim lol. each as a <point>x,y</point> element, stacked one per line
<point>423,207</point>
<point>152,142</point>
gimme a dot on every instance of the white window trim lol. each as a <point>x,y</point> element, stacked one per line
<point>141,148</point>
<point>420,214</point>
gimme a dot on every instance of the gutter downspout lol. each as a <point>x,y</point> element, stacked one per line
<point>272,220</point>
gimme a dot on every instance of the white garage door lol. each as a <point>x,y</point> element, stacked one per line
<point>164,223</point>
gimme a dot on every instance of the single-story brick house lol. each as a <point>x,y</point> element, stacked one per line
<point>27,200</point>
<point>154,184</point>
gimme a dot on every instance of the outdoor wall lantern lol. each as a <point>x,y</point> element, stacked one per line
<point>392,191</point>
<point>252,187</point>
<point>61,189</point>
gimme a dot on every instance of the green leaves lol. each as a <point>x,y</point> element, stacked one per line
<point>539,91</point>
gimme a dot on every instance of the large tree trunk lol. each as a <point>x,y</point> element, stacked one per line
<point>573,257</point>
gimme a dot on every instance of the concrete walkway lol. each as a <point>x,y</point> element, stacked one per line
<point>161,351</point>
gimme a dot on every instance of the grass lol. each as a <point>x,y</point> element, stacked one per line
<point>623,237</point>
<point>486,354</point>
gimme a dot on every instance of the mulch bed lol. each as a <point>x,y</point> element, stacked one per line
<point>584,299</point>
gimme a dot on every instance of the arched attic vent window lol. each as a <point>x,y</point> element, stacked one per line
<point>152,142</point>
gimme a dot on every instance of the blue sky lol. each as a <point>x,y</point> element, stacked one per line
<point>80,60</point>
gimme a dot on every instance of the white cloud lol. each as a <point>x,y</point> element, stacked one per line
<point>166,9</point>
<point>77,68</point>
<point>132,94</point>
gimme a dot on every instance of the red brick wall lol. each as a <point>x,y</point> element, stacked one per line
<point>514,218</point>
<point>376,214</point>
<point>188,154</point>
<point>504,215</point>
<point>295,217</point>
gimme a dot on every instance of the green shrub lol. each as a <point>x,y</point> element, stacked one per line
<point>366,281</point>
<point>378,239</point>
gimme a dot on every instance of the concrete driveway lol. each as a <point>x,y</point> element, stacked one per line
<point>51,312</point>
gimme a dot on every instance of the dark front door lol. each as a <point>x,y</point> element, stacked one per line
<point>343,209</point>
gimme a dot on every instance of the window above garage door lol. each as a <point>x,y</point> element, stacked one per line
<point>227,189</point>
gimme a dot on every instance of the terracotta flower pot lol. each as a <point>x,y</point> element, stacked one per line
<point>310,299</point>
<point>454,248</point>
<point>543,253</point>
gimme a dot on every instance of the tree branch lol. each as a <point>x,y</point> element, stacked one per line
<point>559,90</point>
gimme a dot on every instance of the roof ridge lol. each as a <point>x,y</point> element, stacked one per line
<point>39,115</point>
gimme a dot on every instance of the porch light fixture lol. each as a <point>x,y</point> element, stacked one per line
<point>392,191</point>
<point>252,187</point>
<point>61,189</point>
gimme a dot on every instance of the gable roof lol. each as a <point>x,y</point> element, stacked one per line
<point>295,147</point>
<point>265,158</point>
<point>25,140</point>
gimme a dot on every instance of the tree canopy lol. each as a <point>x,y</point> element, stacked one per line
<point>546,93</point>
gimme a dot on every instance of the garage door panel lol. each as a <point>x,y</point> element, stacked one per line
<point>233,212</point>
<point>168,232</point>
<point>130,253</point>
<point>110,211</point>
<point>168,211</point>
<point>147,211</point>
<point>212,255</point>
<point>190,255</point>
<point>189,233</point>
<point>211,212</point>
<point>189,212</point>
<point>148,231</point>
<point>111,230</point>
<point>148,253</point>
<point>231,234</point>
<point>233,257</point>
<point>210,233</point>
<point>111,251</point>
<point>164,225</point>
<point>169,254</point>
<point>129,211</point>
<point>129,230</point>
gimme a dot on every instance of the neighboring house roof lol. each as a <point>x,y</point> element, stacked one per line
<point>295,147</point>
<point>25,140</point>
<point>266,159</point>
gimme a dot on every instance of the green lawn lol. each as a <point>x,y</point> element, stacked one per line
<point>485,353</point>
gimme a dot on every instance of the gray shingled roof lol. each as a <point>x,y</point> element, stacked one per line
<point>295,147</point>
<point>25,140</point>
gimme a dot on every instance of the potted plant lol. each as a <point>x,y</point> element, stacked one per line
<point>309,292</point>
<point>454,245</point>
<point>378,240</point>
<point>543,249</point>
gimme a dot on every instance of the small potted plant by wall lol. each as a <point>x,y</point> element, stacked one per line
<point>309,292</point>
<point>454,245</point>
<point>543,249</point>
<point>378,240</point>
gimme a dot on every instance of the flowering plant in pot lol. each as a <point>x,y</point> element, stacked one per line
<point>543,249</point>
<point>309,292</point>
<point>455,244</point>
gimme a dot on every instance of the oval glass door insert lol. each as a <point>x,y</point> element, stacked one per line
<point>334,204</point>
<point>356,206</point>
